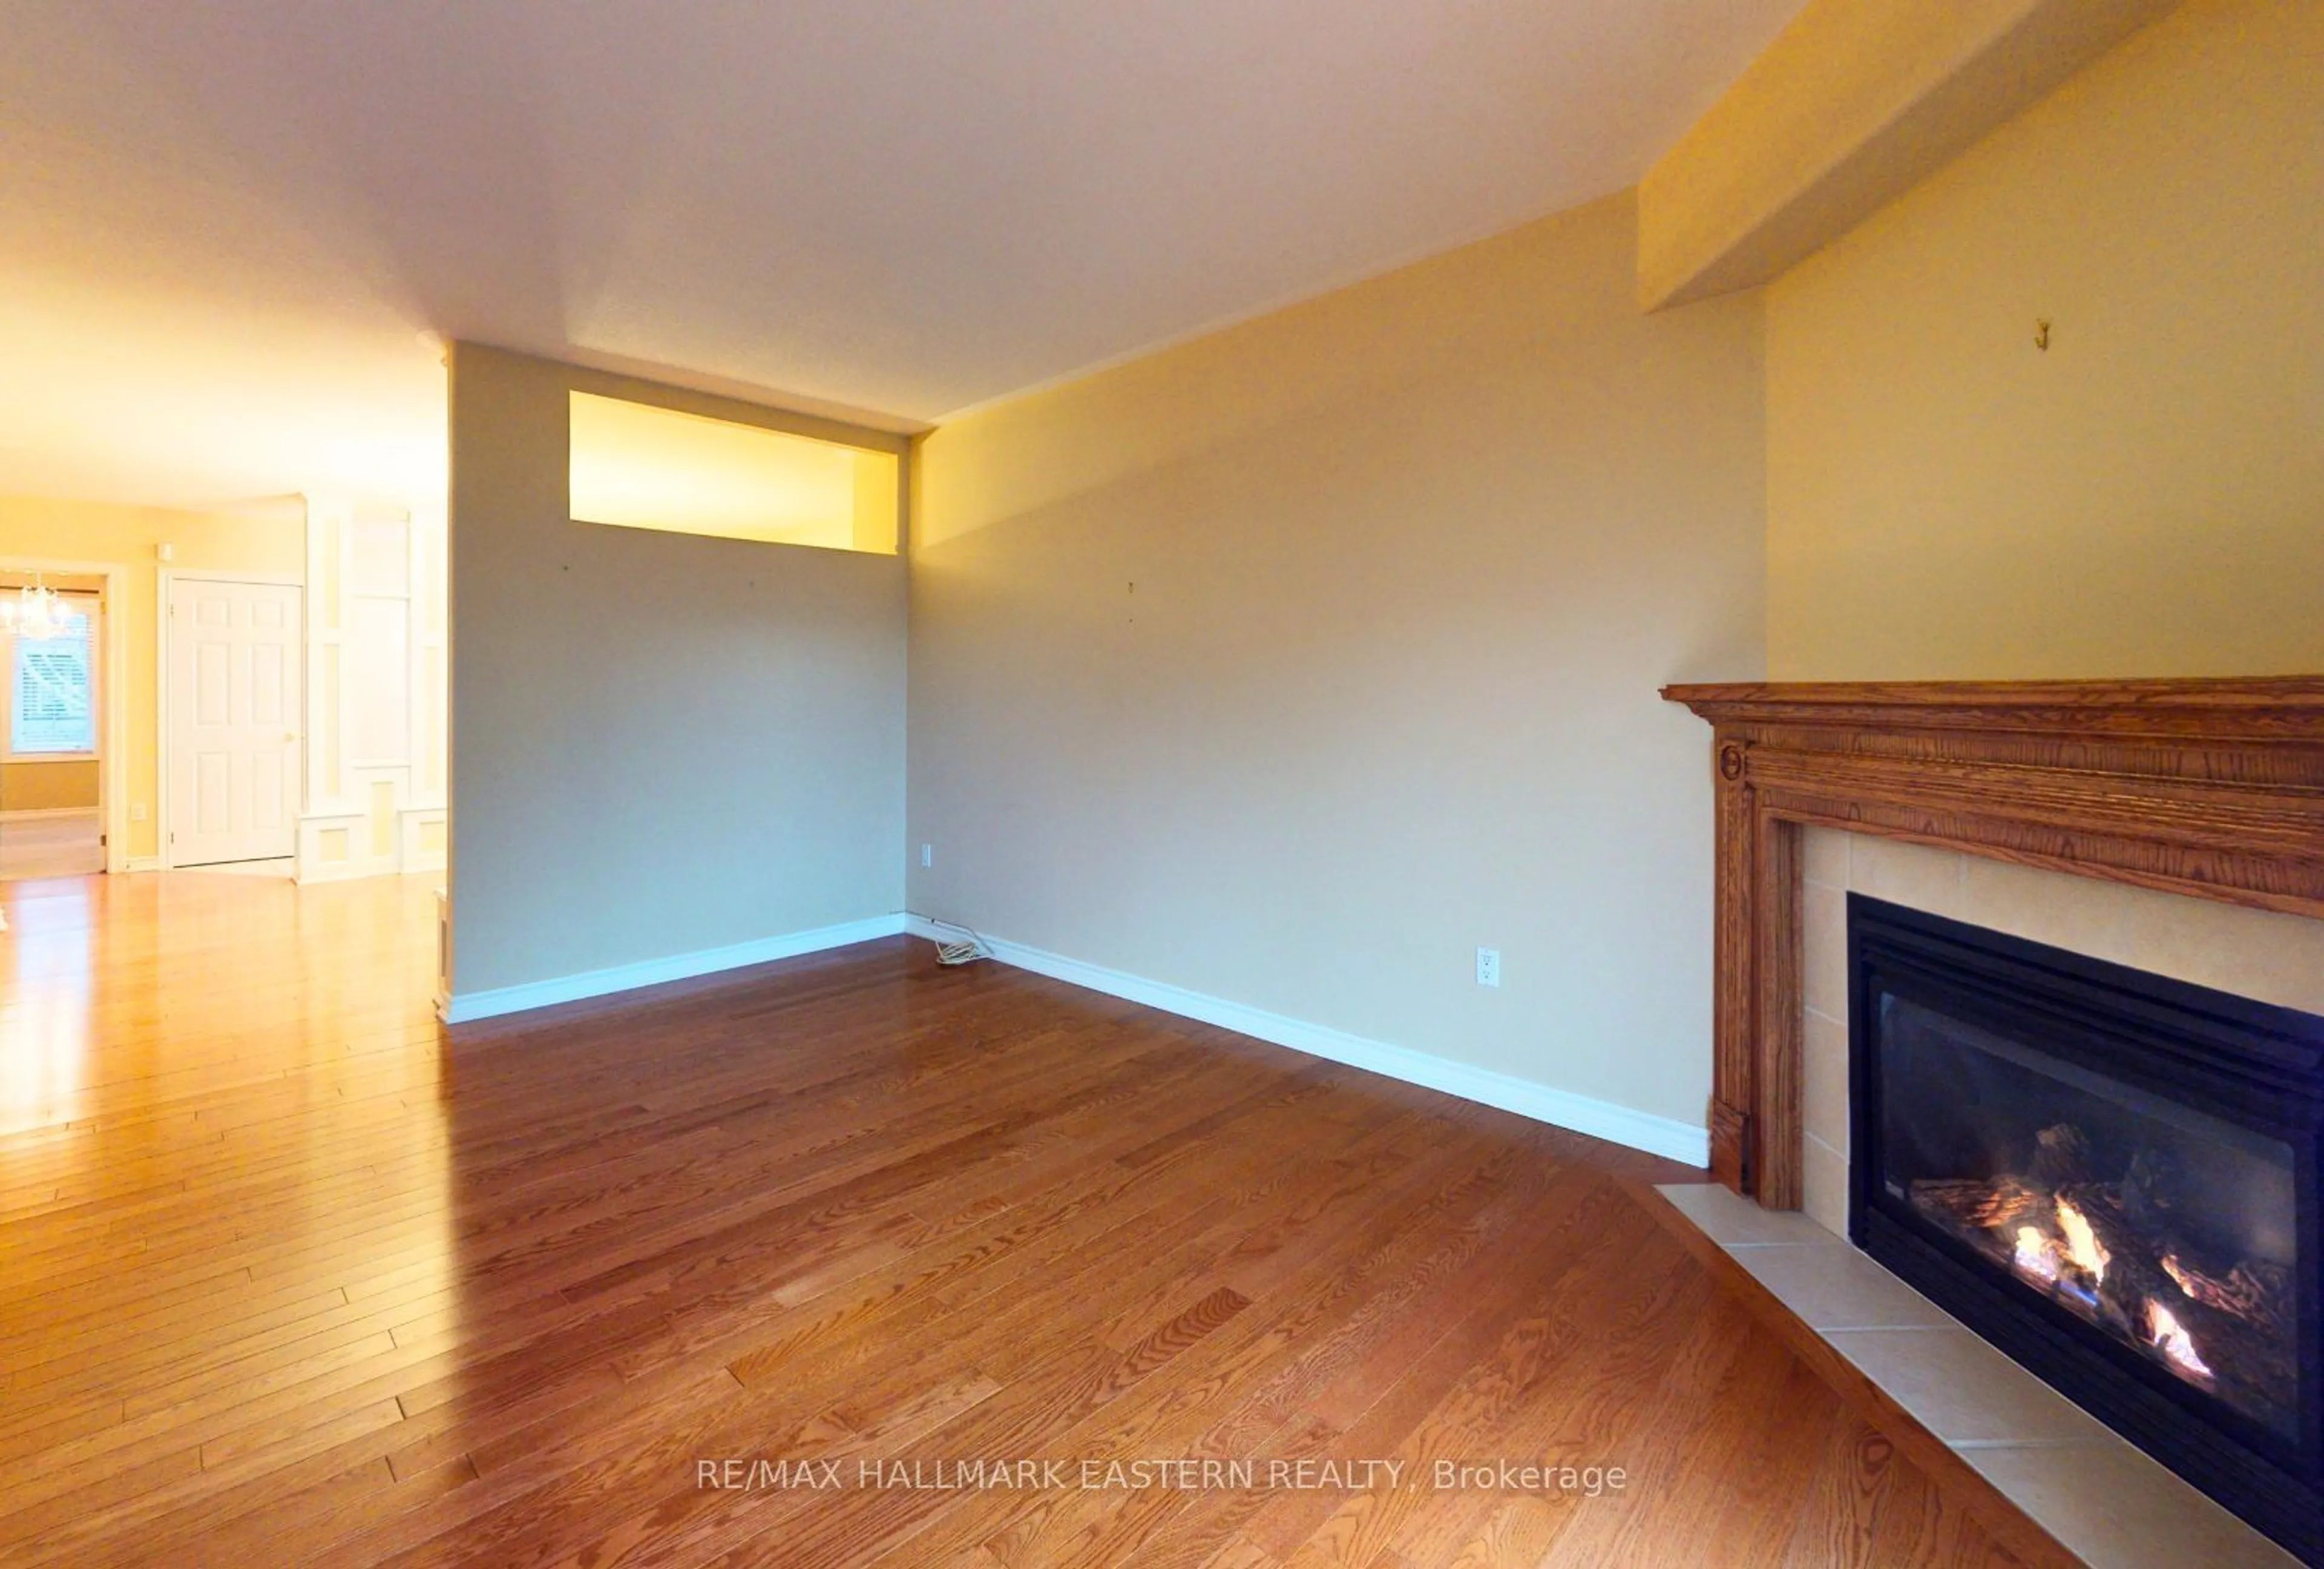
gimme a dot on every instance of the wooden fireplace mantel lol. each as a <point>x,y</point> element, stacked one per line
<point>2210,787</point>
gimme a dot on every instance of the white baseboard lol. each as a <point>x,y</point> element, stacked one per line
<point>467,1006</point>
<point>141,863</point>
<point>32,814</point>
<point>1663,1136</point>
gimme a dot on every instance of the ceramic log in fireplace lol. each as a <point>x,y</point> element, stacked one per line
<point>2112,1177</point>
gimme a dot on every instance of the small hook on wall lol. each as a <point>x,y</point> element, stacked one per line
<point>2042,334</point>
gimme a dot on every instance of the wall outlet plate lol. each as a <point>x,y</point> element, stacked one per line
<point>1489,966</point>
<point>927,854</point>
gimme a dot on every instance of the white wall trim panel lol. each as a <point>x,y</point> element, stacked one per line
<point>376,708</point>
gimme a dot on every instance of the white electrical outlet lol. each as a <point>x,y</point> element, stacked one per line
<point>1489,966</point>
<point>927,854</point>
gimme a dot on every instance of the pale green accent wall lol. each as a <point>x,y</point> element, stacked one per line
<point>661,743</point>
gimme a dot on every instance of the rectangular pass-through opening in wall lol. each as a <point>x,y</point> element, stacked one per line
<point>636,465</point>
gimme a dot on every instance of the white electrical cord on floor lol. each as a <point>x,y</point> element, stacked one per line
<point>964,949</point>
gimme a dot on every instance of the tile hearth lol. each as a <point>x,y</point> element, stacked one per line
<point>2076,1478</point>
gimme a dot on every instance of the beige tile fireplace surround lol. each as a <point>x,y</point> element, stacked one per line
<point>2259,954</point>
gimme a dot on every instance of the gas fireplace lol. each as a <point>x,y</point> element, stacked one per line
<point>2113,1178</point>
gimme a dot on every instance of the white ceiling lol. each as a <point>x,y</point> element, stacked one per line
<point>228,228</point>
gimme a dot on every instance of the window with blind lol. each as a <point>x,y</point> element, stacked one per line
<point>51,706</point>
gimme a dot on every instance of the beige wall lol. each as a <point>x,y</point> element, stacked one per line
<point>95,532</point>
<point>660,743</point>
<point>1293,665</point>
<point>2147,497</point>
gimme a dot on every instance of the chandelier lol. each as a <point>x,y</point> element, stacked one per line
<point>36,613</point>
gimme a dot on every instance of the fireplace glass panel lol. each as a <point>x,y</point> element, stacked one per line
<point>2169,1230</point>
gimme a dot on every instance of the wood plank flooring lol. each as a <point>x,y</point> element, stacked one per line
<point>292,1276</point>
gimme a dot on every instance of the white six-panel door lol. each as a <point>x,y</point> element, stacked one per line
<point>233,674</point>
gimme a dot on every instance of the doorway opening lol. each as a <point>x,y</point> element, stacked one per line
<point>58,742</point>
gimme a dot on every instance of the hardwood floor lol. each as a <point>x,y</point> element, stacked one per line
<point>294,1277</point>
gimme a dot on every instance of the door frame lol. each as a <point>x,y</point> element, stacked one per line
<point>166,582</point>
<point>112,760</point>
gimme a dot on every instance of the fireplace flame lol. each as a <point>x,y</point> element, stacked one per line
<point>2078,1265</point>
<point>2082,1245</point>
<point>2163,1332</point>
<point>2108,1250</point>
<point>2037,1255</point>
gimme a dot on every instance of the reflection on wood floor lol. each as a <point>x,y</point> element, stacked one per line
<point>65,845</point>
<point>293,1277</point>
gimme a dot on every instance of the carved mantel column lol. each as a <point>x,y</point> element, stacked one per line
<point>1733,1160</point>
<point>2210,788</point>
